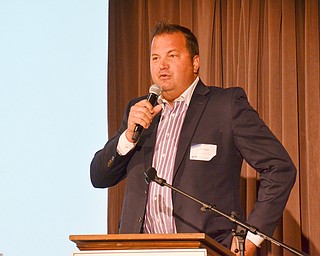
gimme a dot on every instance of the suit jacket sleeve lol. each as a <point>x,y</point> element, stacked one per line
<point>262,150</point>
<point>108,167</point>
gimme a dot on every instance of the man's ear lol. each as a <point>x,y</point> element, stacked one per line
<point>196,64</point>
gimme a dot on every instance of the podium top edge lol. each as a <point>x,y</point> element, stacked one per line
<point>132,237</point>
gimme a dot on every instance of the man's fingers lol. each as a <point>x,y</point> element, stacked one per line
<point>142,113</point>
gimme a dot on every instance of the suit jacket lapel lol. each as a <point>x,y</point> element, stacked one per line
<point>194,112</point>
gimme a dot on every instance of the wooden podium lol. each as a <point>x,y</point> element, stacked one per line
<point>126,243</point>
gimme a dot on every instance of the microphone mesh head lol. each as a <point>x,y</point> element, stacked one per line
<point>151,173</point>
<point>155,89</point>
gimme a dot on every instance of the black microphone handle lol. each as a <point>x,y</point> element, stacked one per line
<point>152,98</point>
<point>137,132</point>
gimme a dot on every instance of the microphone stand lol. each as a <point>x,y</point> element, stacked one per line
<point>242,228</point>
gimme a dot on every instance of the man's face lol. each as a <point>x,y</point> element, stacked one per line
<point>171,65</point>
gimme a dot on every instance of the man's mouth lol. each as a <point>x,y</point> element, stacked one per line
<point>164,76</point>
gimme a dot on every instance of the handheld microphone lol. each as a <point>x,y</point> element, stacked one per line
<point>154,92</point>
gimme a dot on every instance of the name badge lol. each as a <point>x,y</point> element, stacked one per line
<point>203,152</point>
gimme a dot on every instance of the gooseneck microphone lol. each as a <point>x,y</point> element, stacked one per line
<point>242,227</point>
<point>151,175</point>
<point>154,92</point>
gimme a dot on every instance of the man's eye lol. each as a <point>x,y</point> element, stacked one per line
<point>172,55</point>
<point>155,58</point>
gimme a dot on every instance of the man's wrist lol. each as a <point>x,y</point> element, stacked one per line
<point>124,145</point>
<point>256,239</point>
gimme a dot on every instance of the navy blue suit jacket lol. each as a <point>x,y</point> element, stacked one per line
<point>222,117</point>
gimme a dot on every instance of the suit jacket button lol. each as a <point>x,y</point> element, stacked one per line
<point>140,219</point>
<point>110,162</point>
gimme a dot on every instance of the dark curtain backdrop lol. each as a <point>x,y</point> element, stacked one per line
<point>268,47</point>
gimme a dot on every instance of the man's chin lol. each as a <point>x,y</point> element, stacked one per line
<point>165,85</point>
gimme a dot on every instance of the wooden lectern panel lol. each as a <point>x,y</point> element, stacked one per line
<point>150,241</point>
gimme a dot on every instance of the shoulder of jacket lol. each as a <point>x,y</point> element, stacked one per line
<point>226,91</point>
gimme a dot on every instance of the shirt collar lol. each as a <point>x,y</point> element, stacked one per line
<point>185,96</point>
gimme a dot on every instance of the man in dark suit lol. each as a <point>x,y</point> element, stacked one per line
<point>196,138</point>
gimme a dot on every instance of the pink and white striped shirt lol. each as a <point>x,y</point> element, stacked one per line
<point>158,217</point>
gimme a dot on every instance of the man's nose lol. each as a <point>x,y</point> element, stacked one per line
<point>164,63</point>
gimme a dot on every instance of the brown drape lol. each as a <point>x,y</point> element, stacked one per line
<point>268,47</point>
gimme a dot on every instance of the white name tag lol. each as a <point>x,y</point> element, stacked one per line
<point>203,152</point>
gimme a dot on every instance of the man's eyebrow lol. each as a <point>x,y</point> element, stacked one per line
<point>170,51</point>
<point>173,50</point>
